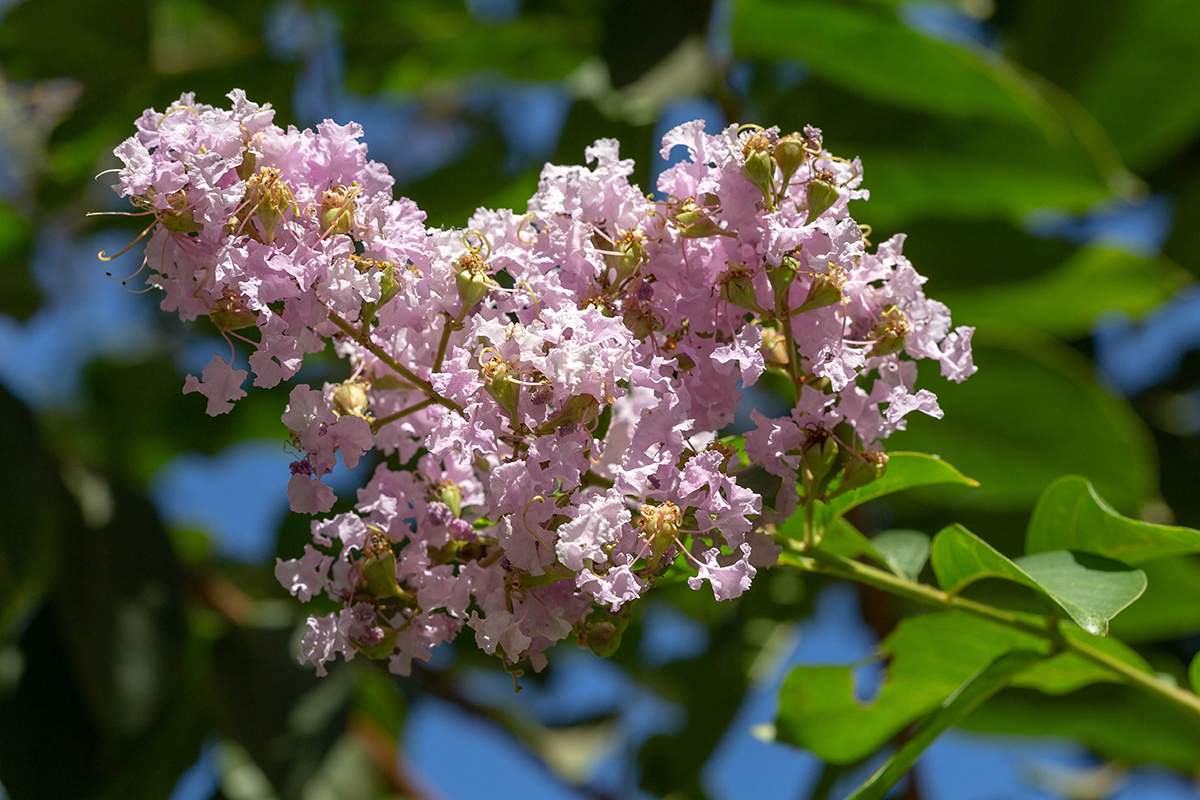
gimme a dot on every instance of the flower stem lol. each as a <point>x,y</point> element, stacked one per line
<point>404,412</point>
<point>840,567</point>
<point>383,356</point>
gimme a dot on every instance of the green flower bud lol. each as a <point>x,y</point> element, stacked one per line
<point>499,379</point>
<point>472,282</point>
<point>378,570</point>
<point>270,199</point>
<point>388,285</point>
<point>821,195</point>
<point>862,469</point>
<point>781,278</point>
<point>790,155</point>
<point>603,637</point>
<point>818,455</point>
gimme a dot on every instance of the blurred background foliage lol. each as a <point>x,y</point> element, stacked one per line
<point>1041,156</point>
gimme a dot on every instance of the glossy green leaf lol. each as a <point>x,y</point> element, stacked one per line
<point>975,691</point>
<point>904,471</point>
<point>904,552</point>
<point>1071,515</point>
<point>929,656</point>
<point>1092,590</point>
<point>1033,413</point>
<point>873,53</point>
<point>1096,279</point>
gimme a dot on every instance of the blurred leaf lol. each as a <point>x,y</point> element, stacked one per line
<point>1118,722</point>
<point>1097,281</point>
<point>282,713</point>
<point>1032,413</point>
<point>34,502</point>
<point>190,34</point>
<point>929,656</point>
<point>1146,88</point>
<point>966,698</point>
<point>872,52</point>
<point>1092,590</point>
<point>120,593</point>
<point>910,183</point>
<point>905,552</point>
<point>1071,515</point>
<point>1169,609</point>
<point>1194,673</point>
<point>19,296</point>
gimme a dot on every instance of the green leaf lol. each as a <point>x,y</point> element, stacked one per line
<point>929,656</point>
<point>1071,515</point>
<point>904,552</point>
<point>904,471</point>
<point>1118,722</point>
<point>977,689</point>
<point>1096,279</point>
<point>1150,75</point>
<point>875,54</point>
<point>1194,673</point>
<point>1033,413</point>
<point>841,539</point>
<point>1169,609</point>
<point>1091,589</point>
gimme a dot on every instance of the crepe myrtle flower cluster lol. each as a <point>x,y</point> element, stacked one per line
<point>554,382</point>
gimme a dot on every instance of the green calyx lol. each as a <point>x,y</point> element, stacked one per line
<point>337,210</point>
<point>821,195</point>
<point>693,221</point>
<point>819,454</point>
<point>825,290</point>
<point>500,381</point>
<point>861,469</point>
<point>737,288</point>
<point>229,314</point>
<point>789,155</point>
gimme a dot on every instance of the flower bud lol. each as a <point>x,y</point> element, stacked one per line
<point>603,637</point>
<point>781,278</point>
<point>388,285</point>
<point>760,170</point>
<point>378,569</point>
<point>861,469</point>
<point>819,454</point>
<point>499,379</point>
<point>821,195</point>
<point>789,155</point>
<point>472,282</point>
<point>350,399</point>
<point>270,198</point>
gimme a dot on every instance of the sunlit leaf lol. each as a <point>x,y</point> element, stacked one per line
<point>905,552</point>
<point>1071,515</point>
